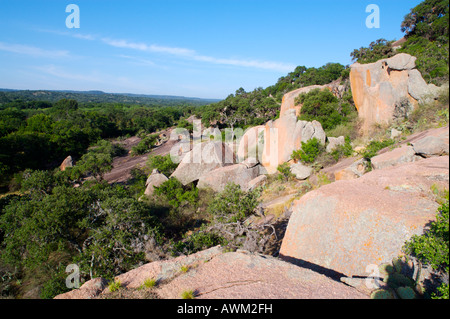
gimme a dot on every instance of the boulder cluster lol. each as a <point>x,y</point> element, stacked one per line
<point>337,233</point>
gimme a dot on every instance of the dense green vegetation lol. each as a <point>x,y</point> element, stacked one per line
<point>245,109</point>
<point>27,99</point>
<point>324,107</point>
<point>41,139</point>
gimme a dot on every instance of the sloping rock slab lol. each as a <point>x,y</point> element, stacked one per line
<point>213,274</point>
<point>403,154</point>
<point>238,174</point>
<point>203,158</point>
<point>242,275</point>
<point>348,225</point>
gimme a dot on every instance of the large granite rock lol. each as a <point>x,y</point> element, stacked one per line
<point>213,274</point>
<point>251,143</point>
<point>403,154</point>
<point>432,145</point>
<point>346,226</point>
<point>285,135</point>
<point>288,102</point>
<point>154,180</point>
<point>203,158</point>
<point>387,89</point>
<point>238,174</point>
<point>300,171</point>
<point>334,142</point>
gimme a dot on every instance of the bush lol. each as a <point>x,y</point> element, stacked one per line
<point>375,146</point>
<point>145,145</point>
<point>341,151</point>
<point>309,151</point>
<point>324,107</point>
<point>197,242</point>
<point>285,171</point>
<point>176,193</point>
<point>163,164</point>
<point>233,204</point>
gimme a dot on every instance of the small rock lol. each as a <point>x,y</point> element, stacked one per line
<point>68,162</point>
<point>395,133</point>
<point>432,146</point>
<point>301,171</point>
<point>257,182</point>
<point>334,142</point>
<point>154,180</point>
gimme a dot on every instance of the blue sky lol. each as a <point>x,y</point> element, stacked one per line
<point>195,48</point>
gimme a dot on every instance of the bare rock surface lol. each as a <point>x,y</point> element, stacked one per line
<point>347,225</point>
<point>68,162</point>
<point>388,89</point>
<point>154,180</point>
<point>403,154</point>
<point>204,158</point>
<point>238,174</point>
<point>213,274</point>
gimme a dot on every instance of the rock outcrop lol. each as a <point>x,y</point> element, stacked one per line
<point>346,226</point>
<point>202,159</point>
<point>68,162</point>
<point>238,174</point>
<point>334,142</point>
<point>213,274</point>
<point>285,135</point>
<point>154,180</point>
<point>403,154</point>
<point>434,142</point>
<point>388,89</point>
<point>288,102</point>
<point>300,171</point>
<point>251,143</point>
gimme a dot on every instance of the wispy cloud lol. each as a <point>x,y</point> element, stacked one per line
<point>32,51</point>
<point>64,74</point>
<point>73,34</point>
<point>137,60</point>
<point>193,55</point>
<point>148,48</point>
<point>180,52</point>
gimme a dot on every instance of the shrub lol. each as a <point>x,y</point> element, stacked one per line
<point>163,164</point>
<point>324,107</point>
<point>375,146</point>
<point>145,145</point>
<point>114,286</point>
<point>285,171</point>
<point>197,242</point>
<point>309,151</point>
<point>345,150</point>
<point>233,204</point>
<point>188,294</point>
<point>176,193</point>
<point>150,283</point>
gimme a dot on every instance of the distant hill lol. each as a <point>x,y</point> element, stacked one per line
<point>86,97</point>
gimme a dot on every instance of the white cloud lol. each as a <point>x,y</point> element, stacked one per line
<point>138,61</point>
<point>32,51</point>
<point>148,48</point>
<point>193,55</point>
<point>61,73</point>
